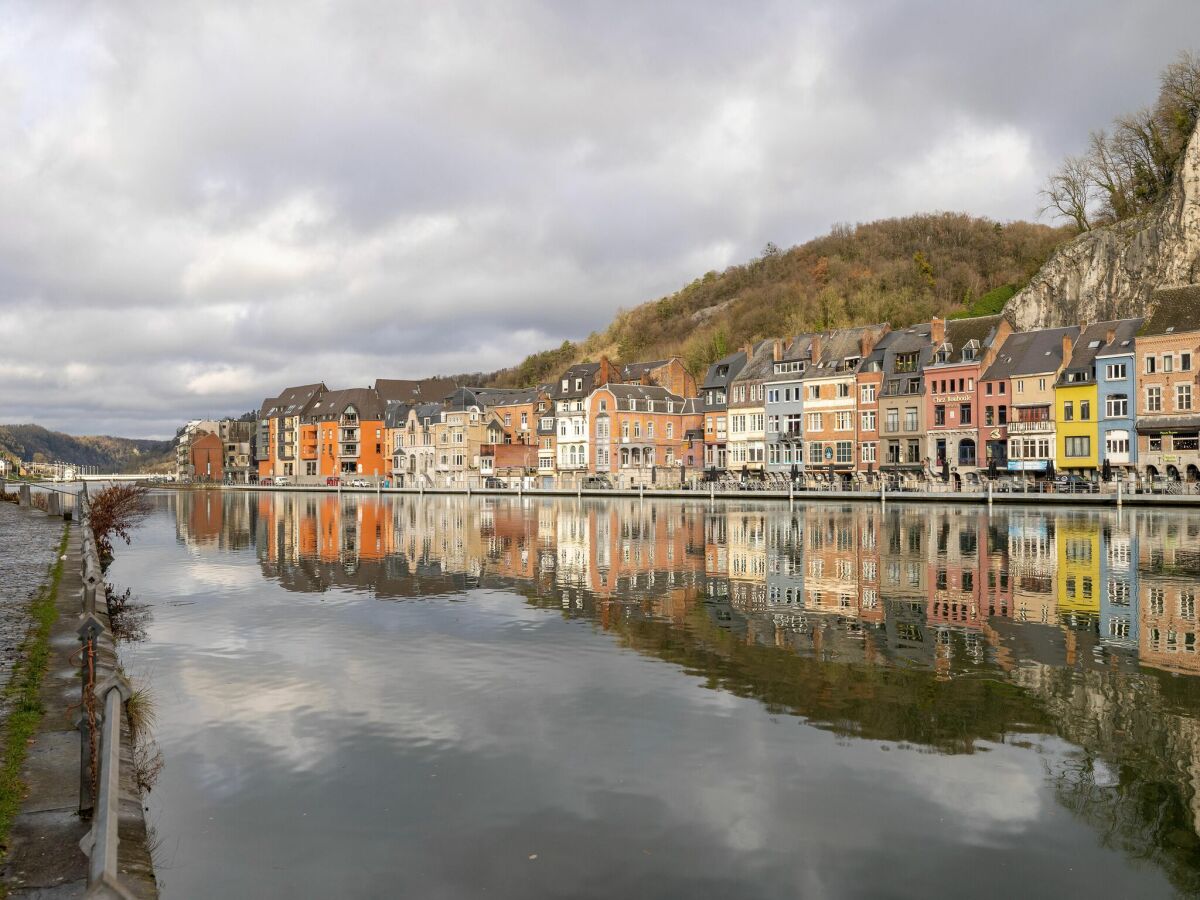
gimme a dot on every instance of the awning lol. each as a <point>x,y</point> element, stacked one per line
<point>1159,424</point>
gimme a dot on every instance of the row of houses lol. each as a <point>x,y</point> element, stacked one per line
<point>950,399</point>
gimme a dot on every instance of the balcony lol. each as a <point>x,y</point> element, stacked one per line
<point>1043,426</point>
<point>348,450</point>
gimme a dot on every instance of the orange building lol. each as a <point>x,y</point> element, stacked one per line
<point>341,434</point>
<point>639,433</point>
<point>206,454</point>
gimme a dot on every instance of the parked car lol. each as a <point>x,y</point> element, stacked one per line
<point>1074,484</point>
<point>282,481</point>
<point>493,483</point>
<point>358,482</point>
<point>597,482</point>
<point>266,482</point>
<point>332,481</point>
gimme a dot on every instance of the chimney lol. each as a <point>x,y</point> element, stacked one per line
<point>814,348</point>
<point>1066,347</point>
<point>866,344</point>
<point>777,350</point>
<point>748,349</point>
<point>937,331</point>
<point>1110,335</point>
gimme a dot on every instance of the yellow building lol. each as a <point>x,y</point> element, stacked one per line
<point>1078,539</point>
<point>1077,404</point>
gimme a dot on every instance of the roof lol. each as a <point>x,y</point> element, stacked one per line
<point>293,400</point>
<point>961,332</point>
<point>635,370</point>
<point>724,370</point>
<point>491,397</point>
<point>1094,342</point>
<point>625,393</point>
<point>841,345</point>
<point>332,404</point>
<point>395,413</point>
<point>1031,353</point>
<point>414,389</point>
<point>760,364</point>
<point>1174,309</point>
<point>586,371</point>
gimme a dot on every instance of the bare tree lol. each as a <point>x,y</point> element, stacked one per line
<point>1069,192</point>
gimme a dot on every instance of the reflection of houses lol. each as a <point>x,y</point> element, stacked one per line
<point>1078,569</point>
<point>1168,580</point>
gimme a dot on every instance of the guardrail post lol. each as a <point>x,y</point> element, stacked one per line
<point>24,496</point>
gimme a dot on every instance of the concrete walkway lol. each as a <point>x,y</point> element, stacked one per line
<point>44,859</point>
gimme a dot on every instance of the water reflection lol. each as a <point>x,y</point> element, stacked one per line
<point>950,629</point>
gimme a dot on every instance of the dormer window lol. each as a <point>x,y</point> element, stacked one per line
<point>579,384</point>
<point>566,384</point>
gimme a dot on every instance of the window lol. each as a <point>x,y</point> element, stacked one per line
<point>892,419</point>
<point>868,452</point>
<point>1153,397</point>
<point>843,390</point>
<point>868,420</point>
<point>1185,362</point>
<point>813,422</point>
<point>1002,415</point>
<point>939,414</point>
<point>814,392</point>
<point>1183,397</point>
<point>1068,411</point>
<point>964,414</point>
<point>1021,386</point>
<point>1115,372</point>
<point>773,395</point>
<point>845,451</point>
<point>670,430</point>
<point>1041,384</point>
<point>987,389</point>
<point>910,418</point>
<point>867,393</point>
<point>1085,410</point>
<point>1116,406</point>
<point>1116,442</point>
<point>914,450</point>
<point>845,421</point>
<point>1077,447</point>
<point>1168,363</point>
<point>1151,365</point>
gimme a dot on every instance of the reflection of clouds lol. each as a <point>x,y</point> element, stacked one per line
<point>434,744</point>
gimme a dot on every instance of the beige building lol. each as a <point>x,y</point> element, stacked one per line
<point>1168,408</point>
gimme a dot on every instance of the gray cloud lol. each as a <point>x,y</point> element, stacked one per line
<point>206,202</point>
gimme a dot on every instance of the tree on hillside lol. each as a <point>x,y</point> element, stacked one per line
<point>1127,169</point>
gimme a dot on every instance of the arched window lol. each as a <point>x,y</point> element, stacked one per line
<point>966,452</point>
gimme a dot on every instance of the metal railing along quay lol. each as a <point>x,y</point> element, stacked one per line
<point>105,691</point>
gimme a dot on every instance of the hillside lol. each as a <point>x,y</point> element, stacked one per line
<point>33,443</point>
<point>896,270</point>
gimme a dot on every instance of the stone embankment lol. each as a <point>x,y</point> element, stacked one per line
<point>57,815</point>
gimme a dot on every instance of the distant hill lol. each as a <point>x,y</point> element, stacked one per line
<point>894,270</point>
<point>33,443</point>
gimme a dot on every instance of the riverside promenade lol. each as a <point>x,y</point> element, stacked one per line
<point>724,493</point>
<point>43,857</point>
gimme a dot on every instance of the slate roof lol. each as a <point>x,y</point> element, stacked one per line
<point>1175,309</point>
<point>586,371</point>
<point>330,405</point>
<point>1093,342</point>
<point>635,370</point>
<point>412,390</point>
<point>292,401</point>
<point>624,393</point>
<point>959,333</point>
<point>840,345</point>
<point>505,396</point>
<point>395,413</point>
<point>760,364</point>
<point>1030,353</point>
<point>722,372</point>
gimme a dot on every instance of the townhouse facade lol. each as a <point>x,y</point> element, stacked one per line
<point>900,406</point>
<point>746,448</point>
<point>1168,414</point>
<point>784,405</point>
<point>715,395</point>
<point>1116,388</point>
<point>640,434</point>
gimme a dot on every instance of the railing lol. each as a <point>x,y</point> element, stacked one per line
<point>99,726</point>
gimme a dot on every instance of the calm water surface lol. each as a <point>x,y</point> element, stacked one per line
<point>444,698</point>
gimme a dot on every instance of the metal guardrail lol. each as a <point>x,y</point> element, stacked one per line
<point>100,727</point>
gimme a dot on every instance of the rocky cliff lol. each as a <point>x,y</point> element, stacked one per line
<point>1111,272</point>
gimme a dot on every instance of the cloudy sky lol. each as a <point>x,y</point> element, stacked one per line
<point>203,203</point>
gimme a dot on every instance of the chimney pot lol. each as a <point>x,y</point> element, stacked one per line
<point>777,350</point>
<point>937,331</point>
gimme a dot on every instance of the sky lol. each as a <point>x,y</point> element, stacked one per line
<point>204,202</point>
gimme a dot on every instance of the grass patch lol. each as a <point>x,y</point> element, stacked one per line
<point>23,692</point>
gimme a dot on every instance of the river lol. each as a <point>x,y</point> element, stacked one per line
<point>448,697</point>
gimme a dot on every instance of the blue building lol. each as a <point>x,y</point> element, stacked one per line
<point>1116,382</point>
<point>785,404</point>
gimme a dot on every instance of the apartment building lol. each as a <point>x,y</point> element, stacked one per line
<point>1116,396</point>
<point>640,433</point>
<point>830,403</point>
<point>1029,364</point>
<point>746,448</point>
<point>342,434</point>
<point>785,403</point>
<point>715,396</point>
<point>961,349</point>
<point>901,412</point>
<point>1168,414</point>
<point>413,451</point>
<point>569,395</point>
<point>278,429</point>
